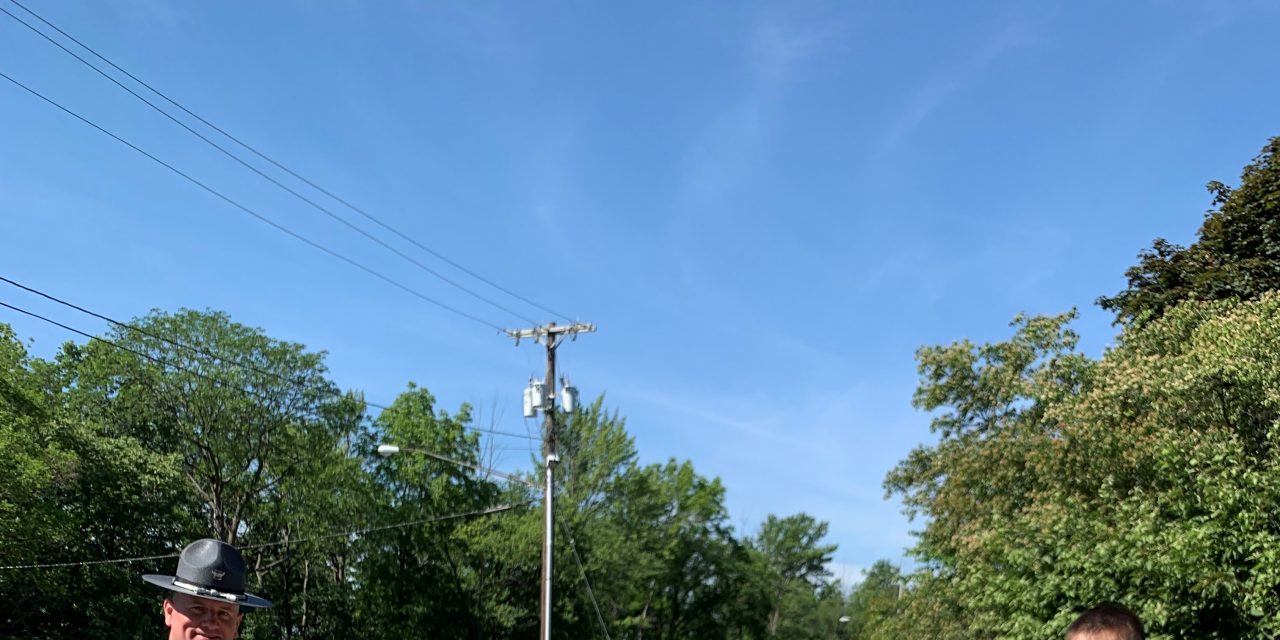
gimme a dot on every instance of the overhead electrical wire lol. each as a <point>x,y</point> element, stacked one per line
<point>162,362</point>
<point>279,227</point>
<point>123,325</point>
<point>86,563</point>
<point>384,527</point>
<point>492,432</point>
<point>255,214</point>
<point>590,592</point>
<point>140,354</point>
<point>159,361</point>
<point>179,367</point>
<point>280,166</point>
<point>272,180</point>
<point>337,534</point>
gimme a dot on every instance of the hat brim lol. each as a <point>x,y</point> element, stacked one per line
<point>244,600</point>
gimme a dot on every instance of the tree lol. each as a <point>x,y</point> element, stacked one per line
<point>242,422</point>
<point>190,425</point>
<point>74,490</point>
<point>1147,477</point>
<point>702,570</point>
<point>262,437</point>
<point>600,488</point>
<point>874,602</point>
<point>991,406</point>
<point>1236,255</point>
<point>416,578</point>
<point>797,562</point>
<point>990,403</point>
<point>1153,483</point>
<point>1163,483</point>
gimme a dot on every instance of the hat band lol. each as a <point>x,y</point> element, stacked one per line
<point>205,591</point>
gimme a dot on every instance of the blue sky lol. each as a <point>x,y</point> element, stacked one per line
<point>765,207</point>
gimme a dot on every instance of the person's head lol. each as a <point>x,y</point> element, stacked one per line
<point>1106,622</point>
<point>207,596</point>
<point>195,618</point>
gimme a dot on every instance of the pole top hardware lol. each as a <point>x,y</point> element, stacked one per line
<point>551,332</point>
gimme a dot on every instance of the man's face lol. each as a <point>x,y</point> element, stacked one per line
<point>192,618</point>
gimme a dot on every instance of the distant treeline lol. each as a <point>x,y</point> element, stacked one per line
<point>184,425</point>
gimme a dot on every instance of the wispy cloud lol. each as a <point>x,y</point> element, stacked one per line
<point>937,91</point>
<point>797,446</point>
<point>550,176</point>
<point>706,410</point>
<point>777,49</point>
<point>736,141</point>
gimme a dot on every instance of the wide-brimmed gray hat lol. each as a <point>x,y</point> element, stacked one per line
<point>210,569</point>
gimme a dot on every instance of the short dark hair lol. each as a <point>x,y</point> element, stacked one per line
<point>1109,618</point>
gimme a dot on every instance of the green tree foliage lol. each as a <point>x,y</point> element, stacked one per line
<point>797,565</point>
<point>1156,485</point>
<point>192,425</point>
<point>416,578</point>
<point>875,603</point>
<point>1147,477</point>
<point>701,567</point>
<point>264,441</point>
<point>1236,255</point>
<point>990,403</point>
<point>74,488</point>
<point>242,423</point>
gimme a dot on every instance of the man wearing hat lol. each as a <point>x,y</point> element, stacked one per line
<point>208,592</point>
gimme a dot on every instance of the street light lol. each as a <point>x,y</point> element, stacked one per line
<point>388,450</point>
<point>842,626</point>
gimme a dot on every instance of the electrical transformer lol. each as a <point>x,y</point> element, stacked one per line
<point>568,396</point>
<point>529,411</point>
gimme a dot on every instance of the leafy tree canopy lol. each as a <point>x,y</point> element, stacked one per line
<point>1236,254</point>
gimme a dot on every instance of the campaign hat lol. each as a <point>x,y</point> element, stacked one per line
<point>210,569</point>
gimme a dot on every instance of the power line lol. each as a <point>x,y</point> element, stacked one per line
<point>267,177</point>
<point>253,213</point>
<point>86,563</point>
<point>160,361</point>
<point>590,592</point>
<point>165,363</point>
<point>339,534</point>
<point>122,347</point>
<point>399,525</point>
<point>492,432</point>
<point>280,166</point>
<point>125,325</point>
<point>198,350</point>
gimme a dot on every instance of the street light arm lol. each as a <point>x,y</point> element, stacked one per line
<point>387,450</point>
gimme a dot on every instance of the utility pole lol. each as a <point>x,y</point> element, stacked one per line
<point>550,335</point>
